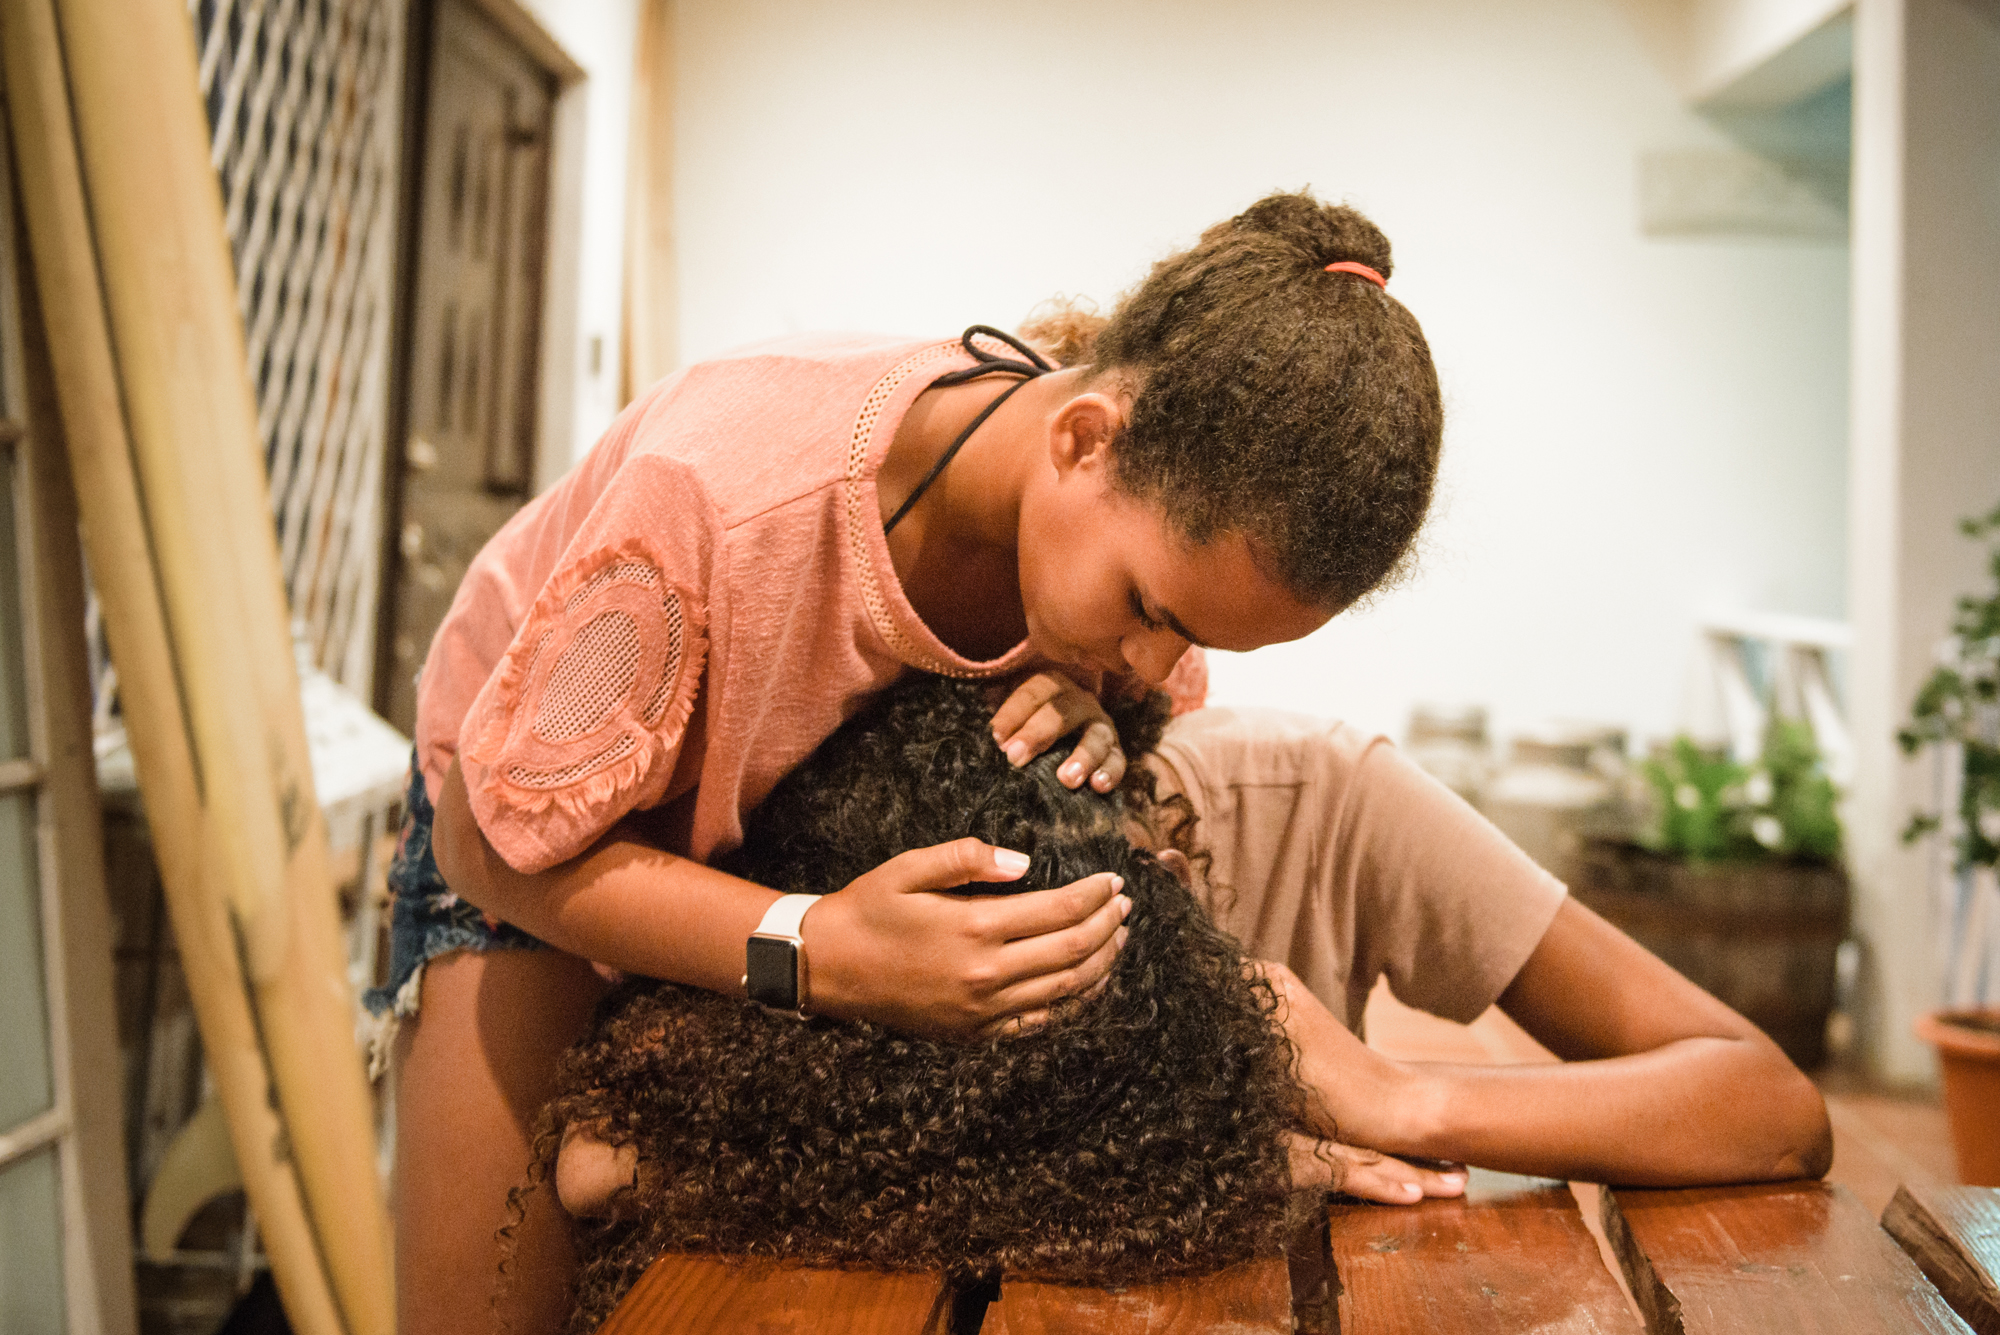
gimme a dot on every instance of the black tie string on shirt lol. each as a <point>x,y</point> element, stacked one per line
<point>1028,366</point>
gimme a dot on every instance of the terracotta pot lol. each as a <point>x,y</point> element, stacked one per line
<point>1759,936</point>
<point>1968,1044</point>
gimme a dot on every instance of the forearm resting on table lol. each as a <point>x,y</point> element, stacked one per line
<point>1695,1111</point>
<point>1660,1083</point>
<point>621,903</point>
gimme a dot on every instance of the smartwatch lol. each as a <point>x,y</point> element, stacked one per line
<point>774,958</point>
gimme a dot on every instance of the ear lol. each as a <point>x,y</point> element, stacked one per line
<point>590,1173</point>
<point>1084,430</point>
<point>1176,862</point>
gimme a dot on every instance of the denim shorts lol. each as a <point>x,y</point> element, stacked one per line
<point>427,920</point>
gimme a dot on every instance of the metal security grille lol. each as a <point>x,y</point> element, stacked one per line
<point>303,97</point>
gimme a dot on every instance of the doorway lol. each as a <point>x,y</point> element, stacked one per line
<point>465,410</point>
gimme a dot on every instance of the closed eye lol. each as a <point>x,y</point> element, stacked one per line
<point>1139,611</point>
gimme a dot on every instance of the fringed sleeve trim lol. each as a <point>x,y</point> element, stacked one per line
<point>583,718</point>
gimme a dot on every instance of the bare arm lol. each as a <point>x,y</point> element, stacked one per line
<point>884,948</point>
<point>1661,1084</point>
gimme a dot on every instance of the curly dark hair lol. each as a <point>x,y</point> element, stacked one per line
<point>1138,1134</point>
<point>1295,406</point>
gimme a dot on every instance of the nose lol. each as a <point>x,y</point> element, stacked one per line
<point>1152,656</point>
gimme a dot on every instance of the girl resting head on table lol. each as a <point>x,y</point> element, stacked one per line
<point>762,542</point>
<point>1150,1128</point>
<point>1143,1131</point>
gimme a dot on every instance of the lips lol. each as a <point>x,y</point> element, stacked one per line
<point>1069,654</point>
<point>1076,660</point>
<point>1085,663</point>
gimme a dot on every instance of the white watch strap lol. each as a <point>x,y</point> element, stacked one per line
<point>785,915</point>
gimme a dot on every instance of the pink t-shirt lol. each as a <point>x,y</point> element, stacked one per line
<point>694,608</point>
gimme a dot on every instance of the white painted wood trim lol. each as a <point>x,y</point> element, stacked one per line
<point>37,1133</point>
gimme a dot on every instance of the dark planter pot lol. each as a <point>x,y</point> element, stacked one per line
<point>1968,1044</point>
<point>1759,936</point>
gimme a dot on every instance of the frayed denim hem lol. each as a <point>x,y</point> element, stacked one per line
<point>427,921</point>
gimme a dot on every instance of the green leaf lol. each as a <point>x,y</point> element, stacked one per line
<point>1955,705</point>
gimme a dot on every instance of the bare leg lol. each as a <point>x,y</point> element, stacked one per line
<point>473,1071</point>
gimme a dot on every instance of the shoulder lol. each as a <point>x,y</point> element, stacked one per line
<point>1267,745</point>
<point>773,421</point>
<point>794,377</point>
<point>1359,780</point>
<point>839,351</point>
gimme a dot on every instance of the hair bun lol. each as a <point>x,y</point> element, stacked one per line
<point>1295,406</point>
<point>1319,234</point>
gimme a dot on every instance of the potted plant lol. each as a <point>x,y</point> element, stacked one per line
<point>1957,711</point>
<point>1736,881</point>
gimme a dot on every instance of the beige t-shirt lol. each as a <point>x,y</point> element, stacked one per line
<point>1333,853</point>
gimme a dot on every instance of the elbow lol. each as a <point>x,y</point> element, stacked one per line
<point>457,845</point>
<point>446,834</point>
<point>1813,1154</point>
<point>1804,1133</point>
<point>1811,1159</point>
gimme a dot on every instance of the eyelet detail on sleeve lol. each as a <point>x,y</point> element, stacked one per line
<point>588,706</point>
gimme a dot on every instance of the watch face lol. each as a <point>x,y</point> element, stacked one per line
<point>771,969</point>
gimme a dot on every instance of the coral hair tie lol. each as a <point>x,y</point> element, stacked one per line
<point>1360,270</point>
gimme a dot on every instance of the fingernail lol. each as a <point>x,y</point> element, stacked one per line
<point>1007,860</point>
<point>1072,773</point>
<point>1017,753</point>
<point>1124,907</point>
<point>1124,934</point>
<point>1452,1179</point>
<point>1117,883</point>
<point>1100,780</point>
<point>1411,1189</point>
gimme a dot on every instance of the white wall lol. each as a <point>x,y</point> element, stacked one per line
<point>1751,50</point>
<point>1927,443</point>
<point>586,224</point>
<point>1638,429</point>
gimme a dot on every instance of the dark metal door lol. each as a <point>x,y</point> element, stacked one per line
<point>468,453</point>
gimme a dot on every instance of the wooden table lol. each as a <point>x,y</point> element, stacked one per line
<point>1515,1255</point>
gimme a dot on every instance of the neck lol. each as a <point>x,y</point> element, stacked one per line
<point>955,551</point>
<point>975,503</point>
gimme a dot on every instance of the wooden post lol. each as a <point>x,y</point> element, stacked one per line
<point>158,412</point>
<point>651,346</point>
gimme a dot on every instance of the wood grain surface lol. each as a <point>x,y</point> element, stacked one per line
<point>1791,1257</point>
<point>1249,1299</point>
<point>1514,1256</point>
<point>1953,1234</point>
<point>700,1295</point>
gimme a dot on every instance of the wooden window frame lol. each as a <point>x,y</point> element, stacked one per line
<point>84,1122</point>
